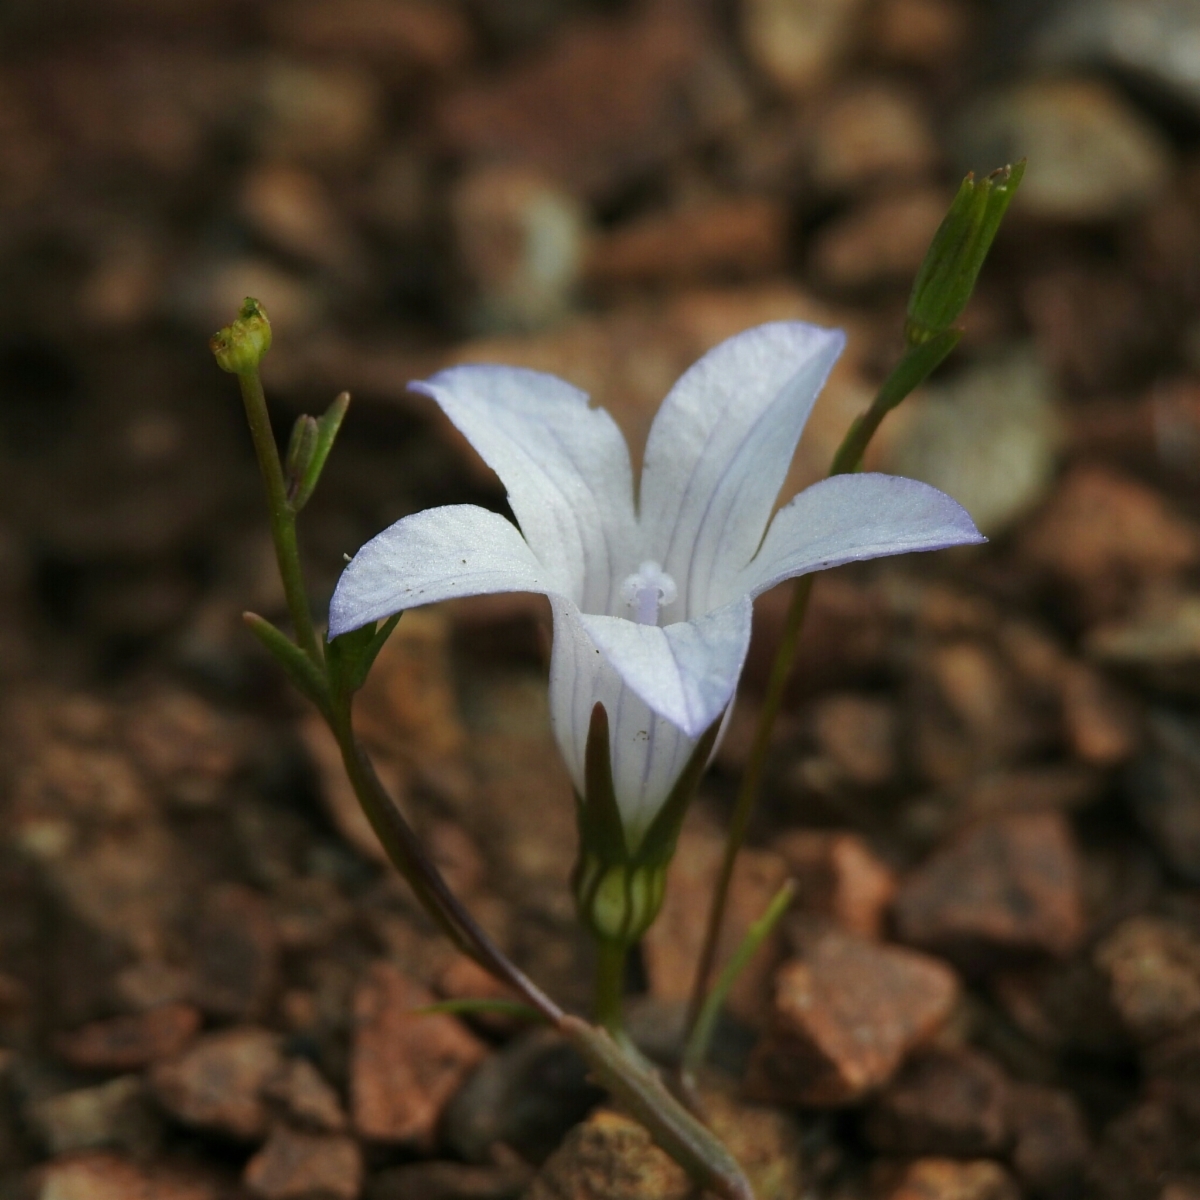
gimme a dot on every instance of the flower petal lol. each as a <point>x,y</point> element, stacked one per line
<point>564,463</point>
<point>648,752</point>
<point>461,550</point>
<point>852,517</point>
<point>720,447</point>
<point>686,672</point>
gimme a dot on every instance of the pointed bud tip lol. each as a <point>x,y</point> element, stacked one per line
<point>240,347</point>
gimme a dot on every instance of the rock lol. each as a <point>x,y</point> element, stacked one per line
<point>1051,1148</point>
<point>217,1083</point>
<point>1162,788</point>
<point>609,1157</point>
<point>308,1100</point>
<point>1102,724</point>
<point>526,1097</point>
<point>838,876</point>
<point>1105,536</point>
<point>845,1016</point>
<point>558,110</point>
<point>116,1114</point>
<point>1006,886</point>
<point>857,734</point>
<point>799,44</point>
<point>235,950</point>
<point>869,134</point>
<point>449,1181</point>
<point>1099,159</point>
<point>945,1179</point>
<point>881,240</point>
<point>737,237</point>
<point>990,439</point>
<point>520,239</point>
<point>404,1066</point>
<point>129,1043</point>
<point>1153,969</point>
<point>672,944</point>
<point>1158,643</point>
<point>305,1166</point>
<point>1150,1142</point>
<point>920,33</point>
<point>105,1176</point>
<point>943,1101</point>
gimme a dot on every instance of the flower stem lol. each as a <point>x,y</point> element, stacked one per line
<point>610,986</point>
<point>279,510</point>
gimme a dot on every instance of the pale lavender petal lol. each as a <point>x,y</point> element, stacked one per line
<point>461,550</point>
<point>852,517</point>
<point>719,450</point>
<point>687,672</point>
<point>565,466</point>
<point>648,752</point>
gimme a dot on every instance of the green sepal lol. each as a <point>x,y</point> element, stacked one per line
<point>658,842</point>
<point>352,655</point>
<point>468,1006</point>
<point>240,347</point>
<point>300,669</point>
<point>947,275</point>
<point>325,433</point>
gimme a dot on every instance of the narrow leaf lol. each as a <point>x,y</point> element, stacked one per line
<point>327,427</point>
<point>300,669</point>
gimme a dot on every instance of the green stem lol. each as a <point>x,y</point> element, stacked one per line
<point>280,512</point>
<point>610,986</point>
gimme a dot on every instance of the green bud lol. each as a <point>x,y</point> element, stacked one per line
<point>301,448</point>
<point>618,901</point>
<point>240,347</point>
<point>947,277</point>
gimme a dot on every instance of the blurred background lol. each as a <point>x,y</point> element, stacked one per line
<point>992,758</point>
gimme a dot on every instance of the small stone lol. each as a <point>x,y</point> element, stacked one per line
<point>1103,535</point>
<point>1101,159</point>
<point>324,115</point>
<point>404,1066</point>
<point>1051,1147</point>
<point>838,876</point>
<point>881,240</point>
<point>116,1114</point>
<point>858,735</point>
<point>845,1016</point>
<point>609,1157</point>
<point>1153,968</point>
<point>130,1043</point>
<point>305,1166</point>
<point>235,952</point>
<point>449,1181</point>
<point>290,209</point>
<point>520,239</point>
<point>920,33</point>
<point>799,44</point>
<point>733,238</point>
<point>105,1176</point>
<point>871,133</point>
<point>305,1095</point>
<point>1101,723</point>
<point>1009,885</point>
<point>217,1084</point>
<point>946,1179</point>
<point>990,439</point>
<point>943,1101</point>
<point>526,1097</point>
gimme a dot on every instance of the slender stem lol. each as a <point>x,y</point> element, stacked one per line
<point>282,517</point>
<point>610,986</point>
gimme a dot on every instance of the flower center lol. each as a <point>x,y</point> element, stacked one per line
<point>646,591</point>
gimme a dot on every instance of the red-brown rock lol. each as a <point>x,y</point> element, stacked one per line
<point>838,876</point>
<point>845,1016</point>
<point>1010,885</point>
<point>100,1175</point>
<point>946,1179</point>
<point>1051,1147</point>
<point>943,1101</point>
<point>306,1097</point>
<point>132,1042</point>
<point>404,1066</point>
<point>236,953</point>
<point>305,1166</point>
<point>217,1084</point>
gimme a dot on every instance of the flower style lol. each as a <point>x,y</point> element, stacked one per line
<point>651,595</point>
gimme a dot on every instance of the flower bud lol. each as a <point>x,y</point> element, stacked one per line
<point>301,448</point>
<point>947,276</point>
<point>240,347</point>
<point>618,901</point>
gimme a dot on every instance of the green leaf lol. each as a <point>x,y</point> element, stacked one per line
<point>952,264</point>
<point>327,427</point>
<point>300,669</point>
<point>352,655</point>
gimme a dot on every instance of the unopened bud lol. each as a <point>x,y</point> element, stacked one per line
<point>240,347</point>
<point>301,449</point>
<point>618,901</point>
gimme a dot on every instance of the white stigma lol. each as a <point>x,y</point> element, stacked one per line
<point>646,591</point>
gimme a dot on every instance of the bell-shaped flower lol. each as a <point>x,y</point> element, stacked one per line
<point>651,593</point>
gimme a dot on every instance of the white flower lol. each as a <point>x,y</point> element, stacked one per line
<point>651,595</point>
